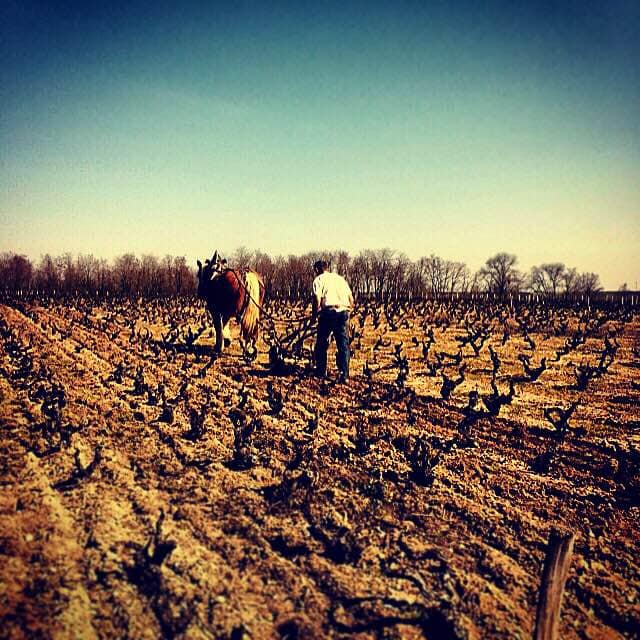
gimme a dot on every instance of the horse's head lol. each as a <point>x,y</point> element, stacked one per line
<point>208,271</point>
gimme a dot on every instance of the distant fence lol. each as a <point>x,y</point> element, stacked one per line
<point>600,299</point>
<point>616,299</point>
<point>625,299</point>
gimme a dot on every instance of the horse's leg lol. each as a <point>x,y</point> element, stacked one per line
<point>217,325</point>
<point>226,332</point>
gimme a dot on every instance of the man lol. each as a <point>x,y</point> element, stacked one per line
<point>332,301</point>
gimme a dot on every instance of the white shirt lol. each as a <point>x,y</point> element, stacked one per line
<point>333,291</point>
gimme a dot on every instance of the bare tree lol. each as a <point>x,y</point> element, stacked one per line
<point>536,281</point>
<point>435,270</point>
<point>264,265</point>
<point>476,283</point>
<point>184,281</point>
<point>125,271</point>
<point>553,272</point>
<point>569,281</point>
<point>85,274</point>
<point>547,278</point>
<point>241,258</point>
<point>47,277</point>
<point>359,277</point>
<point>458,276</point>
<point>68,270</point>
<point>500,275</point>
<point>16,271</point>
<point>395,286</point>
<point>415,280</point>
<point>588,283</point>
<point>104,278</point>
<point>379,263</point>
<point>341,263</point>
<point>150,276</point>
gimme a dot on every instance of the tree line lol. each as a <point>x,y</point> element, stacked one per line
<point>382,275</point>
<point>127,275</point>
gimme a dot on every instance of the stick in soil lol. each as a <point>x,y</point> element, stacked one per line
<point>554,576</point>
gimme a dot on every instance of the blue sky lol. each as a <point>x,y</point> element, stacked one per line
<point>460,129</point>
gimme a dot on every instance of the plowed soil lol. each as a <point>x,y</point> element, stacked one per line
<point>242,500</point>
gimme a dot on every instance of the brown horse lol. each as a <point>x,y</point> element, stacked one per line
<point>229,294</point>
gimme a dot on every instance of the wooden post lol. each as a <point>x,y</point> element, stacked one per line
<point>554,576</point>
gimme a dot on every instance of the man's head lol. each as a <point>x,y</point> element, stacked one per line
<point>320,266</point>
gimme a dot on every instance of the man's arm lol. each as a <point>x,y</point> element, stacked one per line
<point>315,304</point>
<point>315,298</point>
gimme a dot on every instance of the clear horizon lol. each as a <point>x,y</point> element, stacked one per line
<point>462,132</point>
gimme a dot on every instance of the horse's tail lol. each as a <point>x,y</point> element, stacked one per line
<point>251,316</point>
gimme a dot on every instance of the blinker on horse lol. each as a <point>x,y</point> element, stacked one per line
<point>229,294</point>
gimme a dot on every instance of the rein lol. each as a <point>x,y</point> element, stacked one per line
<point>249,299</point>
<point>284,344</point>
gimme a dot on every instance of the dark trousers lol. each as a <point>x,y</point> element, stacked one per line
<point>333,322</point>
